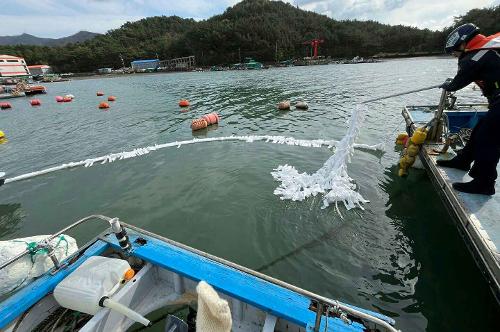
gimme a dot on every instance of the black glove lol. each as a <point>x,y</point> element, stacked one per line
<point>446,84</point>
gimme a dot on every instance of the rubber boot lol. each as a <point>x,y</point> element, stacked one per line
<point>454,163</point>
<point>475,187</point>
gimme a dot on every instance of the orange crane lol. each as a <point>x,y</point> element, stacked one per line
<point>314,45</point>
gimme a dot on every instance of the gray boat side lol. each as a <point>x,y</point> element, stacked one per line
<point>477,216</point>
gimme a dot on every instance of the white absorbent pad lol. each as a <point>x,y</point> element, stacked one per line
<point>33,264</point>
<point>332,179</point>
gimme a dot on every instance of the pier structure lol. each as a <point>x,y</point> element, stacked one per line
<point>184,63</point>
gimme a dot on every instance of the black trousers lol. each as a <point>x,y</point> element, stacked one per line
<point>483,147</point>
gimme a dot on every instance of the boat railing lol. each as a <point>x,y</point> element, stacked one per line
<point>321,305</point>
<point>325,306</point>
<point>46,243</point>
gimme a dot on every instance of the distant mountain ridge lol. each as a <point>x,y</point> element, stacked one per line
<point>27,39</point>
<point>264,30</point>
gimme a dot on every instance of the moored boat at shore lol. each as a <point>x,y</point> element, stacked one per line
<point>35,89</point>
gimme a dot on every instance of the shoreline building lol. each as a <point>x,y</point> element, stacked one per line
<point>40,69</point>
<point>13,66</point>
<point>103,71</point>
<point>145,65</point>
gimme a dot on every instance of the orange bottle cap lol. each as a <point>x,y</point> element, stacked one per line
<point>129,274</point>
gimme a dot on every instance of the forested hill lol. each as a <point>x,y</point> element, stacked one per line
<point>488,19</point>
<point>251,28</point>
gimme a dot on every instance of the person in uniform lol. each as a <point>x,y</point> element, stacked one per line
<point>479,62</point>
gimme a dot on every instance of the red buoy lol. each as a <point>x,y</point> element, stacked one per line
<point>183,103</point>
<point>103,105</point>
<point>211,118</point>
<point>5,106</point>
<point>199,124</point>
<point>35,102</point>
<point>111,98</point>
<point>67,99</point>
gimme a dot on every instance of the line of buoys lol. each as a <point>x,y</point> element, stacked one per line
<point>103,105</point>
<point>111,98</point>
<point>412,148</point>
<point>284,105</point>
<point>183,103</point>
<point>205,121</point>
<point>100,93</point>
<point>65,99</point>
<point>5,106</point>
<point>35,102</point>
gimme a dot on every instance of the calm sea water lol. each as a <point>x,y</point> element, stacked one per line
<point>402,256</point>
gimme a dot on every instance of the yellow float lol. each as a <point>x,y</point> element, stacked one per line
<point>412,148</point>
<point>3,139</point>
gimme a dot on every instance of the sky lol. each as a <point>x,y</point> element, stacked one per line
<point>60,18</point>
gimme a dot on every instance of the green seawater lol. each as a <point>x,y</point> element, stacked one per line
<point>401,256</point>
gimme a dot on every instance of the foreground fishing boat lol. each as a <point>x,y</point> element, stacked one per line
<point>477,216</point>
<point>126,273</point>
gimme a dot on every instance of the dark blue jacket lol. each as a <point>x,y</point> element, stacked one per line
<point>482,67</point>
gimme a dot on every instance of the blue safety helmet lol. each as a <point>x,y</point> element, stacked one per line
<point>460,35</point>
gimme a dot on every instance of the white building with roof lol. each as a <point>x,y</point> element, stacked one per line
<point>40,69</point>
<point>12,66</point>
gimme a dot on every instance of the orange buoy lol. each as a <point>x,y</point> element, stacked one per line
<point>100,93</point>
<point>111,98</point>
<point>199,124</point>
<point>211,118</point>
<point>103,105</point>
<point>183,103</point>
<point>35,102</point>
<point>5,106</point>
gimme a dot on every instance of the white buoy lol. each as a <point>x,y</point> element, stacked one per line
<point>302,105</point>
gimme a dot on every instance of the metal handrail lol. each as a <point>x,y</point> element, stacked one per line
<point>320,299</point>
<point>50,238</point>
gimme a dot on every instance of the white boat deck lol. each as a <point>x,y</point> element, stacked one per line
<point>477,216</point>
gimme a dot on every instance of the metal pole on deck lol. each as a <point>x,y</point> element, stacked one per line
<point>319,314</point>
<point>438,115</point>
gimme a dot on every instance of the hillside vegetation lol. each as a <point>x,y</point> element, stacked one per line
<point>251,28</point>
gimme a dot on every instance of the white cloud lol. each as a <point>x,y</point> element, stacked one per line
<point>430,14</point>
<point>60,25</point>
<point>58,18</point>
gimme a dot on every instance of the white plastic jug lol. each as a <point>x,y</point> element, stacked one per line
<point>96,278</point>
